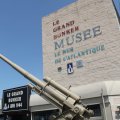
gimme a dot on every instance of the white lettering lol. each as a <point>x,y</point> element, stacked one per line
<point>16,99</point>
<point>17,93</point>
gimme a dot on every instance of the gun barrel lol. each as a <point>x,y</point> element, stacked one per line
<point>56,95</point>
<point>45,96</point>
<point>62,89</point>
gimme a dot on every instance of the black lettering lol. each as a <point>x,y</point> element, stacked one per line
<point>59,44</point>
<point>56,23</point>
<point>55,29</point>
<point>87,34</point>
<point>63,26</point>
<point>78,37</point>
<point>96,31</point>
<point>70,42</point>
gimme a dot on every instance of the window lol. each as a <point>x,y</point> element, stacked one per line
<point>2,117</point>
<point>44,115</point>
<point>96,109</point>
<point>117,8</point>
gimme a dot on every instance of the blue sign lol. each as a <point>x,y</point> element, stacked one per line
<point>70,68</point>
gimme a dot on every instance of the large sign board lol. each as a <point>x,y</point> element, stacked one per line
<point>81,43</point>
<point>16,99</point>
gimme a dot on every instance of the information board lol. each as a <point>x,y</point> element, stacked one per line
<point>16,99</point>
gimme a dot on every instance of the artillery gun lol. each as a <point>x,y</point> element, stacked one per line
<point>68,102</point>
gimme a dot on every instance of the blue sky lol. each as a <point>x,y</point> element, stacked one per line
<point>117,4</point>
<point>21,37</point>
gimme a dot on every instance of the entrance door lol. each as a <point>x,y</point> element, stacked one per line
<point>19,117</point>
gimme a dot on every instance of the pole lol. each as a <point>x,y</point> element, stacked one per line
<point>103,101</point>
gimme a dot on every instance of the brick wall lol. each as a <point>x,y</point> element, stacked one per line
<point>85,34</point>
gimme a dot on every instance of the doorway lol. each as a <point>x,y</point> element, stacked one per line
<point>20,116</point>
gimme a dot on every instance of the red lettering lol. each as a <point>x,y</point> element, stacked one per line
<point>56,22</point>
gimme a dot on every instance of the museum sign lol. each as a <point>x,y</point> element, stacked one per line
<point>16,99</point>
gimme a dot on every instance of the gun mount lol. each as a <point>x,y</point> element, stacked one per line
<point>69,103</point>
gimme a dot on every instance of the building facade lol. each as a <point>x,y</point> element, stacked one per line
<point>80,48</point>
<point>103,99</point>
<point>81,43</point>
